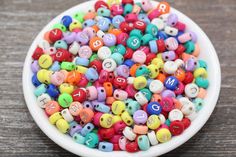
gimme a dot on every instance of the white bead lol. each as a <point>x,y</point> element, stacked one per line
<point>156,86</point>
<point>50,50</point>
<point>152,138</point>
<point>129,134</point>
<point>43,99</point>
<point>104,52</point>
<point>67,115</point>
<point>191,90</point>
<point>171,30</point>
<point>175,114</point>
<point>130,80</point>
<point>122,142</point>
<point>188,108</point>
<point>164,17</point>
<point>159,23</point>
<point>162,118</point>
<point>109,65</point>
<point>170,67</point>
<point>140,97</point>
<point>100,34</point>
<point>192,116</point>
<point>74,48</point>
<point>179,62</point>
<point>44,44</point>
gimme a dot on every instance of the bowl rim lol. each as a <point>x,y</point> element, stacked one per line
<point>67,143</point>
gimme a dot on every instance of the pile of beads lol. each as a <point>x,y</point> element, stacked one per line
<point>124,76</point>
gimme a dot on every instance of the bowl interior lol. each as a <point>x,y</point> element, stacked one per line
<point>207,53</point>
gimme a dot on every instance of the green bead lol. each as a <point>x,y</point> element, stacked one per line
<point>190,47</point>
<point>91,140</point>
<point>201,82</point>
<point>142,71</point>
<point>133,42</point>
<point>89,84</point>
<point>60,26</point>
<point>151,29</point>
<point>119,49</point>
<point>146,38</point>
<point>198,103</point>
<point>68,66</point>
<point>167,122</point>
<point>132,107</point>
<point>112,48</point>
<point>202,64</point>
<point>128,9</point>
<point>60,44</point>
<point>137,33</point>
<point>147,93</point>
<point>79,138</point>
<point>143,142</point>
<point>118,58</point>
<point>79,17</point>
<point>65,100</point>
<point>93,57</point>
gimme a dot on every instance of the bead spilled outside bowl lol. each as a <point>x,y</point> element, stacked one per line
<point>207,53</point>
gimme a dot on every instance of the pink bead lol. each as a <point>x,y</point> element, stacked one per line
<point>139,57</point>
<point>85,52</point>
<point>171,44</point>
<point>180,26</point>
<point>131,17</point>
<point>146,5</point>
<point>90,32</point>
<point>103,76</point>
<point>145,49</point>
<point>96,119</point>
<point>116,10</point>
<point>122,143</point>
<point>83,81</point>
<point>184,37</point>
<point>92,93</point>
<point>120,94</point>
<point>180,88</point>
<point>119,127</point>
<point>57,78</point>
<point>122,38</point>
<point>77,30</point>
<point>131,91</point>
<point>154,14</point>
<point>97,84</point>
<point>115,139</point>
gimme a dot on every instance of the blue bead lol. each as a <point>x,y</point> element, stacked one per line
<point>171,82</point>
<point>105,146</point>
<point>91,74</point>
<point>162,35</point>
<point>88,23</point>
<point>81,61</point>
<point>154,108</point>
<point>104,24</point>
<point>117,20</point>
<point>66,21</point>
<point>55,66</point>
<point>129,63</point>
<point>102,108</point>
<point>153,46</point>
<point>87,129</point>
<point>35,80</point>
<point>144,18</point>
<point>53,91</point>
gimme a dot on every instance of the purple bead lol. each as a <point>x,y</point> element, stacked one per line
<point>168,56</point>
<point>69,37</point>
<point>190,64</point>
<point>75,129</point>
<point>96,102</point>
<point>82,38</point>
<point>35,66</point>
<point>122,70</point>
<point>193,36</point>
<point>87,104</point>
<point>168,93</point>
<point>140,117</point>
<point>101,94</point>
<point>109,40</point>
<point>90,32</point>
<point>172,19</point>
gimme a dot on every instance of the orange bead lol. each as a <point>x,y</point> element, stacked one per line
<point>202,93</point>
<point>90,15</point>
<point>46,37</point>
<point>110,100</point>
<point>95,43</point>
<point>196,52</point>
<point>140,129</point>
<point>52,107</point>
<point>163,7</point>
<point>177,104</point>
<point>108,88</point>
<point>161,77</point>
<point>114,31</point>
<point>133,69</point>
<point>180,74</point>
<point>156,98</point>
<point>96,28</point>
<point>86,115</point>
<point>73,77</point>
<point>186,56</point>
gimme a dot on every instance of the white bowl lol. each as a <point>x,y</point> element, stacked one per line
<point>208,53</point>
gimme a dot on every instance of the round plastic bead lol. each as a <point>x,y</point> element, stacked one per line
<point>163,135</point>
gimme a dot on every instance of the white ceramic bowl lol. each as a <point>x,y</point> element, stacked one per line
<point>207,53</point>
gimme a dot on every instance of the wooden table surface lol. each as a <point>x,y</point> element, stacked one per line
<point>21,20</point>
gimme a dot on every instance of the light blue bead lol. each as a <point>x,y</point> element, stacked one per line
<point>120,49</point>
<point>143,142</point>
<point>105,146</point>
<point>118,58</point>
<point>198,103</point>
<point>153,46</point>
<point>60,44</point>
<point>117,20</point>
<point>103,12</point>
<point>40,90</point>
<point>82,61</point>
<point>73,123</point>
<point>132,107</point>
<point>55,66</point>
<point>91,74</point>
<point>148,82</point>
<point>144,18</point>
<point>104,24</point>
<point>87,129</point>
<point>88,23</point>
<point>102,108</point>
<point>79,138</point>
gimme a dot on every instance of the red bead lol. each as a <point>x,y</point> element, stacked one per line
<point>165,114</point>
<point>150,57</point>
<point>127,2</point>
<point>128,54</point>
<point>62,55</point>
<point>77,119</point>
<point>176,127</point>
<point>97,84</point>
<point>79,95</point>
<point>131,17</point>
<point>144,107</point>
<point>186,122</point>
<point>115,139</point>
<point>37,53</point>
<point>130,90</point>
<point>167,104</point>
<point>119,127</point>
<point>140,25</point>
<point>116,9</point>
<point>161,45</point>
<point>132,147</point>
<point>100,4</point>
<point>180,49</point>
<point>82,82</point>
<point>180,26</point>
<point>103,77</point>
<point>55,34</point>
<point>96,118</point>
<point>96,64</point>
<point>120,82</point>
<point>124,26</point>
<point>111,77</point>
<point>116,147</point>
<point>188,78</point>
<point>122,38</point>
<point>106,134</point>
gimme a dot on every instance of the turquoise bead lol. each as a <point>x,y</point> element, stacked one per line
<point>151,29</point>
<point>198,104</point>
<point>103,12</point>
<point>118,58</point>
<point>60,44</point>
<point>127,101</point>
<point>201,82</point>
<point>190,47</point>
<point>143,142</point>
<point>119,49</point>
<point>91,140</point>
<point>40,90</point>
<point>146,38</point>
<point>202,64</point>
<point>137,33</point>
<point>132,107</point>
<point>142,71</point>
<point>128,9</point>
<point>167,122</point>
<point>79,138</point>
<point>133,42</point>
<point>147,93</point>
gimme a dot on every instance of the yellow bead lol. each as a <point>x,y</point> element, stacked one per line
<point>106,120</point>
<point>81,69</point>
<point>44,76</point>
<point>163,135</point>
<point>125,116</point>
<point>116,119</point>
<point>111,2</point>
<point>154,70</point>
<point>74,25</point>
<point>200,72</point>
<point>159,55</point>
<point>140,82</point>
<point>153,122</point>
<point>45,61</point>
<point>62,125</point>
<point>55,117</point>
<point>158,62</point>
<point>118,107</point>
<point>66,88</point>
